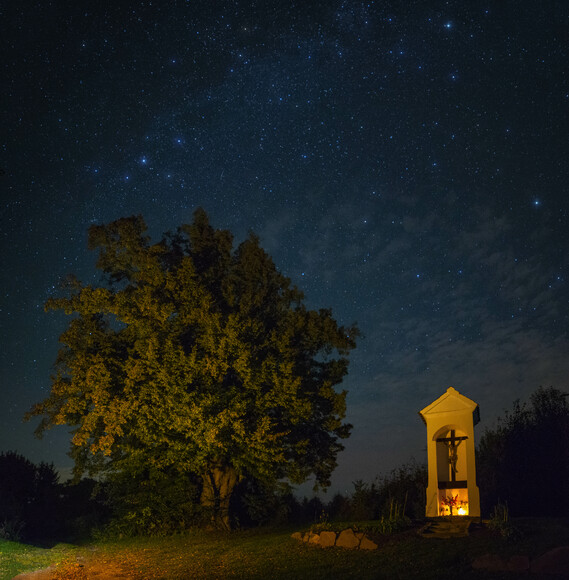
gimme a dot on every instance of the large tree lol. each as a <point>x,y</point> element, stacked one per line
<point>200,358</point>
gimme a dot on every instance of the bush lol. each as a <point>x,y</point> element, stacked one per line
<point>366,501</point>
<point>392,521</point>
<point>500,522</point>
<point>83,508</point>
<point>528,453</point>
<point>11,530</point>
<point>391,501</point>
<point>406,485</point>
<point>256,504</point>
<point>151,503</point>
<point>399,495</point>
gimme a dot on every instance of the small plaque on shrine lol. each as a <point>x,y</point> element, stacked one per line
<point>452,489</point>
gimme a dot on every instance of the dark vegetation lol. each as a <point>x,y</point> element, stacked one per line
<point>268,551</point>
<point>524,462</point>
<point>522,467</point>
<point>36,508</point>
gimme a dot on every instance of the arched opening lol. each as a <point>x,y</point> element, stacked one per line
<point>452,475</point>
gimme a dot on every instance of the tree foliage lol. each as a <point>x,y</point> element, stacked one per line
<point>524,461</point>
<point>159,502</point>
<point>195,357</point>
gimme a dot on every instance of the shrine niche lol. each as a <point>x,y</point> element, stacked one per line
<point>452,489</point>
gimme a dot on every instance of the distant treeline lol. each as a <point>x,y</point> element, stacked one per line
<point>35,507</point>
<point>523,462</point>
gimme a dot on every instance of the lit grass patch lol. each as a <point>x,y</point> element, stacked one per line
<point>16,558</point>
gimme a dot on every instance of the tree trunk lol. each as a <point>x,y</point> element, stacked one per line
<point>218,484</point>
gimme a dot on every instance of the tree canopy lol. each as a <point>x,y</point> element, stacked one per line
<point>197,357</point>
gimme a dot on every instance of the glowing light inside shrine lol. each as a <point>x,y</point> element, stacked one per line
<point>454,503</point>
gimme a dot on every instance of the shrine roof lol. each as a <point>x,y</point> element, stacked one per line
<point>451,402</point>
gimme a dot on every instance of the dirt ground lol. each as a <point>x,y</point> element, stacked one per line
<point>85,571</point>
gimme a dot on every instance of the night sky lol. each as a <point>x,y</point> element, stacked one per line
<point>404,163</point>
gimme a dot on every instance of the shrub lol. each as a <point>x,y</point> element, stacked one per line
<point>256,504</point>
<point>151,503</point>
<point>406,485</point>
<point>500,522</point>
<point>399,495</point>
<point>11,530</point>
<point>526,453</point>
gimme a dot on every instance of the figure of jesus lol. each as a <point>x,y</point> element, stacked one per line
<point>452,444</point>
<point>453,455</point>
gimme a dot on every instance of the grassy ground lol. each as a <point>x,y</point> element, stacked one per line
<point>260,554</point>
<point>16,558</point>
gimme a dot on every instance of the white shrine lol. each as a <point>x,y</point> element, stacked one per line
<point>452,489</point>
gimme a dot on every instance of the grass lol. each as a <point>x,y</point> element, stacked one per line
<point>260,554</point>
<point>16,558</point>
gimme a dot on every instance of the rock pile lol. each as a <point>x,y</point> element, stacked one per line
<point>345,539</point>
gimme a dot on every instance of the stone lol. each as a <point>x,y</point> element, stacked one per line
<point>347,539</point>
<point>491,562</point>
<point>327,539</point>
<point>555,561</point>
<point>518,564</point>
<point>367,544</point>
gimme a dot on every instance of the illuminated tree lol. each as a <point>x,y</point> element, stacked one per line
<point>195,357</point>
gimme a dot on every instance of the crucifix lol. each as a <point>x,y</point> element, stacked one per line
<point>452,443</point>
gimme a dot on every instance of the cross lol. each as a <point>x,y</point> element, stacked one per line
<point>452,443</point>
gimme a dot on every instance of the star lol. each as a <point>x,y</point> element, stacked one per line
<point>361,147</point>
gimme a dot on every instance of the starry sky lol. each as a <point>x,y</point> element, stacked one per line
<point>404,163</point>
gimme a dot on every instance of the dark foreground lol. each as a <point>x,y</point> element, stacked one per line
<point>260,554</point>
